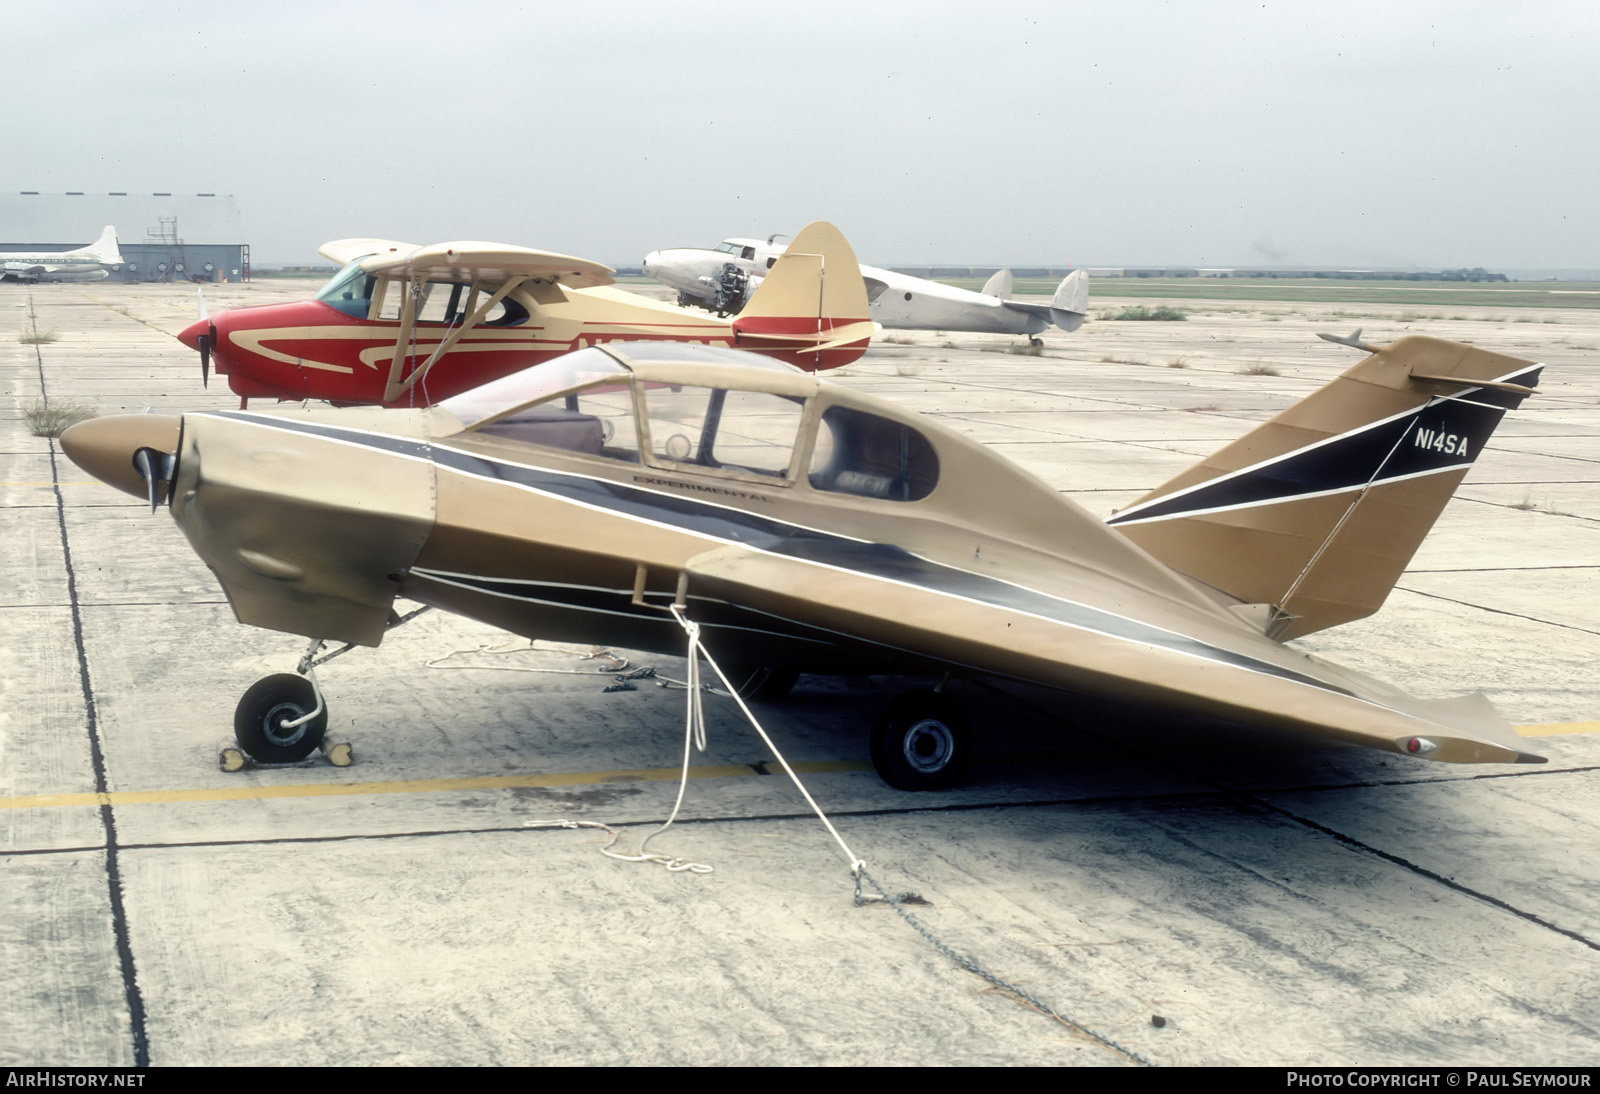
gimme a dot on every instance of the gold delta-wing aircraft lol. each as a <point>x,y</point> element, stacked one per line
<point>806,527</point>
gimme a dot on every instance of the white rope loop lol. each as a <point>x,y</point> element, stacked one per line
<point>694,736</point>
<point>696,651</point>
<point>672,864</point>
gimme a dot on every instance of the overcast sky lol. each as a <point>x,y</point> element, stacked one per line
<point>1207,132</point>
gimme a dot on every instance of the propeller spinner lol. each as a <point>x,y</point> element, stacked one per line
<point>136,453</point>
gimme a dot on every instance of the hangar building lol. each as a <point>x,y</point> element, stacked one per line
<point>162,236</point>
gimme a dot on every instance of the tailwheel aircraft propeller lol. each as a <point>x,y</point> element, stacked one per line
<point>205,342</point>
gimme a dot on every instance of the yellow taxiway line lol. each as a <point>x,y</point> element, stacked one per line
<point>1555,729</point>
<point>412,786</point>
<point>505,782</point>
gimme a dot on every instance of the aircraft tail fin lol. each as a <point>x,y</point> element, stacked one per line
<point>1070,305</point>
<point>999,284</point>
<point>103,249</point>
<point>1310,518</point>
<point>811,308</point>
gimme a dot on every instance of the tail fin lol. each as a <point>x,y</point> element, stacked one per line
<point>104,249</point>
<point>811,308</point>
<point>1070,305</point>
<point>1314,514</point>
<point>999,284</point>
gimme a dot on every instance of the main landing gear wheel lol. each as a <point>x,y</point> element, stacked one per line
<point>1035,342</point>
<point>921,741</point>
<point>270,702</point>
<point>762,684</point>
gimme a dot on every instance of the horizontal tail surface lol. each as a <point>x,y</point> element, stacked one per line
<point>1314,514</point>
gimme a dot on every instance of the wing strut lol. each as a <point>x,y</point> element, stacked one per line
<point>396,387</point>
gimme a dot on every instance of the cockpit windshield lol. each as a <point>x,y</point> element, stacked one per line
<point>729,247</point>
<point>350,290</point>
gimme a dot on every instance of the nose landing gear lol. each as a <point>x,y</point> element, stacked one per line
<point>281,719</point>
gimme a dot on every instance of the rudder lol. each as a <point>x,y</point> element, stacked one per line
<point>812,303</point>
<point>1070,305</point>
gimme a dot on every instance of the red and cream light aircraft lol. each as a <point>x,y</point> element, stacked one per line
<point>402,325</point>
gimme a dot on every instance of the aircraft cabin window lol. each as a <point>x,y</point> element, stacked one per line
<point>744,432</point>
<point>349,291</point>
<point>872,457</point>
<point>446,302</point>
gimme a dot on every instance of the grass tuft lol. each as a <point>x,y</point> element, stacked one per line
<point>53,419</point>
<point>1141,314</point>
<point>1259,369</point>
<point>36,338</point>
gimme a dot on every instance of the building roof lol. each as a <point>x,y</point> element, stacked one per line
<point>30,217</point>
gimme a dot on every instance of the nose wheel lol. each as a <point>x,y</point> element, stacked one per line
<point>281,719</point>
<point>921,741</point>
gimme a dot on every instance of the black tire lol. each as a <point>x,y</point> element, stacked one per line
<point>921,741</point>
<point>762,683</point>
<point>272,700</point>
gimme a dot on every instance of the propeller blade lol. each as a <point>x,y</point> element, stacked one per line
<point>155,467</point>
<point>205,340</point>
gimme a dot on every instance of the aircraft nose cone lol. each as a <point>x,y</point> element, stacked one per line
<point>104,447</point>
<point>651,262</point>
<point>190,335</point>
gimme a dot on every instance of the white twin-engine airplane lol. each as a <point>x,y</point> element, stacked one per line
<point>723,278</point>
<point>89,263</point>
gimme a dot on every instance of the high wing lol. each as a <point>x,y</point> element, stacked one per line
<point>467,259</point>
<point>896,605</point>
<point>341,251</point>
<point>491,261</point>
